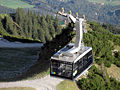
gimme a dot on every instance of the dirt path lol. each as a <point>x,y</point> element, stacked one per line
<point>46,83</point>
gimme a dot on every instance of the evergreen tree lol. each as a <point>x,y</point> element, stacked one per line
<point>45,28</point>
<point>15,33</point>
<point>35,27</point>
<point>31,26</point>
<point>41,34</point>
<point>9,25</point>
<point>2,30</point>
<point>57,26</point>
<point>19,19</point>
<point>50,25</point>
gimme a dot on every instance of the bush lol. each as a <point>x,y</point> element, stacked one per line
<point>117,63</point>
<point>93,69</point>
<point>96,81</point>
<point>107,63</point>
<point>99,61</point>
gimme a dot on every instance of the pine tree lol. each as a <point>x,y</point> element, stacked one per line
<point>15,33</point>
<point>57,26</point>
<point>2,30</point>
<point>25,26</point>
<point>45,28</point>
<point>19,18</point>
<point>31,26</point>
<point>9,25</point>
<point>35,27</point>
<point>52,30</point>
<point>41,35</point>
<point>50,25</point>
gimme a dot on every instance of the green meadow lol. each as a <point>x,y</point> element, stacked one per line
<point>15,4</point>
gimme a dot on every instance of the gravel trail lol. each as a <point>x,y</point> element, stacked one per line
<point>46,83</point>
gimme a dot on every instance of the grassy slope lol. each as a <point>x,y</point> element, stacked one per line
<point>67,85</point>
<point>14,4</point>
<point>18,88</point>
<point>113,71</point>
<point>113,2</point>
<point>12,61</point>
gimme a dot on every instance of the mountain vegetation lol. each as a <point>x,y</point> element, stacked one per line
<point>29,26</point>
<point>102,12</point>
<point>46,29</point>
<point>41,67</point>
<point>108,2</point>
<point>107,11</point>
<point>15,4</point>
<point>43,28</point>
<point>98,80</point>
<point>103,43</point>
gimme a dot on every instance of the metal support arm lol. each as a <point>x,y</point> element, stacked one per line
<point>79,33</point>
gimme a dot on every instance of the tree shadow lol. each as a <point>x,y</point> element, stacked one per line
<point>49,48</point>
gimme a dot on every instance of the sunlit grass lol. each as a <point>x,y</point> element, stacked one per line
<point>15,4</point>
<point>67,85</point>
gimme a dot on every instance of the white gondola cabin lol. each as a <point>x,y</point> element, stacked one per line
<point>71,67</point>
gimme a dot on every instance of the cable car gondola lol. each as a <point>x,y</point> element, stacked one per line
<point>74,59</point>
<point>71,67</point>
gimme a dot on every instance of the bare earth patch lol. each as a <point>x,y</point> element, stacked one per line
<point>114,72</point>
